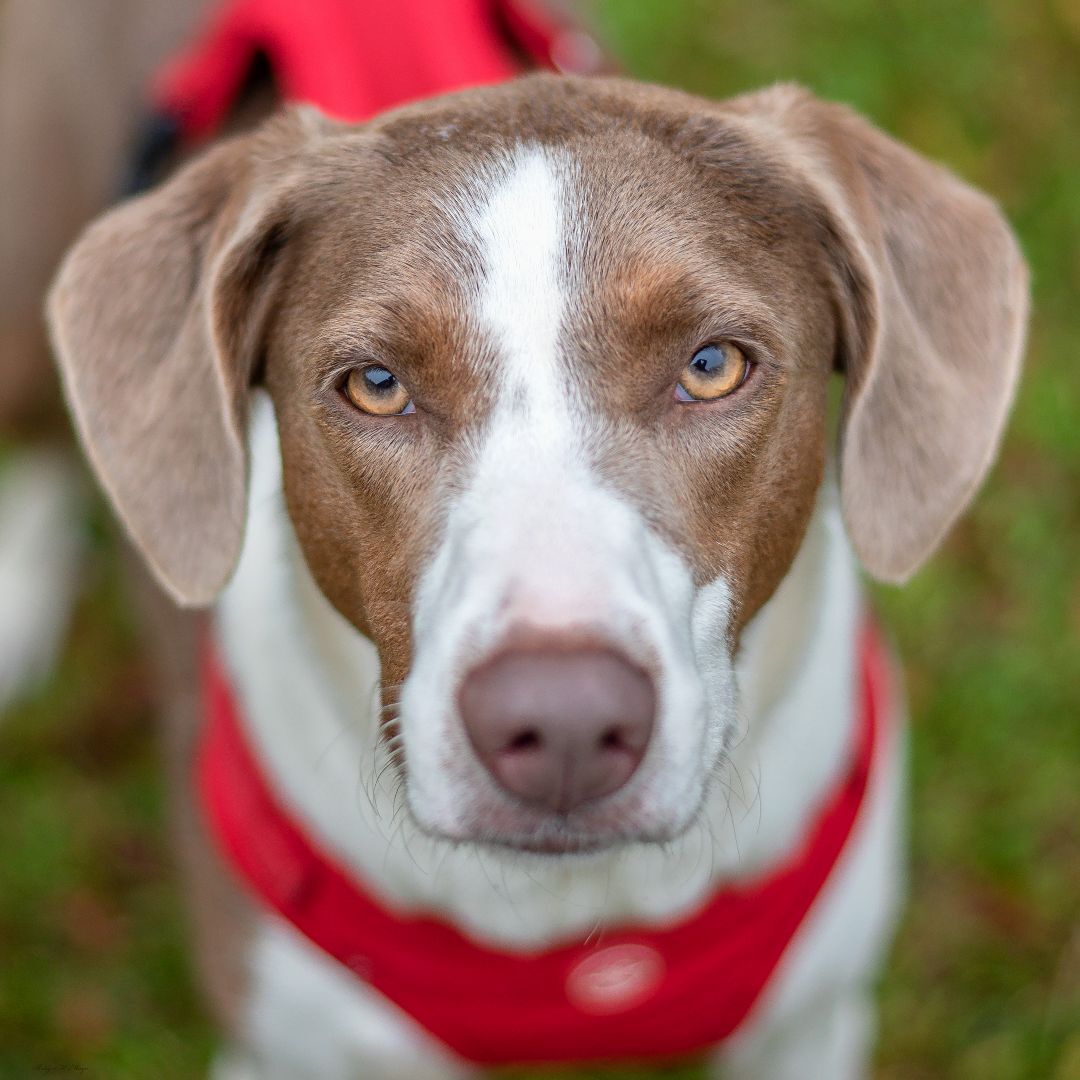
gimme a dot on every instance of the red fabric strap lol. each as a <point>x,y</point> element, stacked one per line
<point>352,58</point>
<point>635,992</point>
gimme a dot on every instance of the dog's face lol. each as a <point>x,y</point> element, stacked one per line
<point>549,363</point>
<point>543,406</point>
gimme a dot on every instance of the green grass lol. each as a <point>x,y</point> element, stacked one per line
<point>984,982</point>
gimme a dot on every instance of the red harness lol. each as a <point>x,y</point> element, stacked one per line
<point>633,992</point>
<point>356,58</point>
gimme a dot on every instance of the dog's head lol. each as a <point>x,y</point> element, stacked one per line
<point>550,365</point>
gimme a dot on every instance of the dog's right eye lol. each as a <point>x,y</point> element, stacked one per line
<point>376,390</point>
<point>714,372</point>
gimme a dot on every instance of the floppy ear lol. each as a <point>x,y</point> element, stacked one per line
<point>933,296</point>
<point>157,318</point>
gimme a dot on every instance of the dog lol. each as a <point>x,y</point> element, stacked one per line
<point>495,432</point>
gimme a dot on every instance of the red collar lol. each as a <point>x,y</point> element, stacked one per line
<point>636,992</point>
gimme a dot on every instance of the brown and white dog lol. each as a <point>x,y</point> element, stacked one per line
<point>507,406</point>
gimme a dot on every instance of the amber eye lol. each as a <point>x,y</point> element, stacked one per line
<point>376,390</point>
<point>714,372</point>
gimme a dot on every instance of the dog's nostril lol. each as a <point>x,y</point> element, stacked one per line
<point>559,727</point>
<point>611,740</point>
<point>526,740</point>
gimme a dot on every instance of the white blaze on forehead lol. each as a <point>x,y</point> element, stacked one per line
<point>532,484</point>
<point>522,234</point>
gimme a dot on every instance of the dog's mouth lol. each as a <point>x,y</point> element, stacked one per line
<point>561,843</point>
<point>556,838</point>
<point>564,837</point>
<point>507,825</point>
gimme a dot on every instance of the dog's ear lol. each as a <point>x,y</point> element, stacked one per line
<point>158,316</point>
<point>932,294</point>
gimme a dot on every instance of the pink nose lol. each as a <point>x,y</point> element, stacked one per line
<point>557,728</point>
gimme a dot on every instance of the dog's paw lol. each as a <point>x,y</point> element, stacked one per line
<point>42,503</point>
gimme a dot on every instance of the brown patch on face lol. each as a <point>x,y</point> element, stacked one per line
<point>719,245</point>
<point>381,278</point>
<point>687,243</point>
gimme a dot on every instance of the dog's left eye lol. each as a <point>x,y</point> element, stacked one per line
<point>376,390</point>
<point>714,372</point>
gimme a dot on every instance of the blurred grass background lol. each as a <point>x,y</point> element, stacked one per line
<point>984,982</point>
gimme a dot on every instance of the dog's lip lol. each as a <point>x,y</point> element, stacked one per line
<point>609,824</point>
<point>565,844</point>
<point>553,841</point>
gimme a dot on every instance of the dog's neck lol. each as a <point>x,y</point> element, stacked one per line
<point>307,684</point>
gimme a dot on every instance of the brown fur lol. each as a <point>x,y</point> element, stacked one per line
<point>933,301</point>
